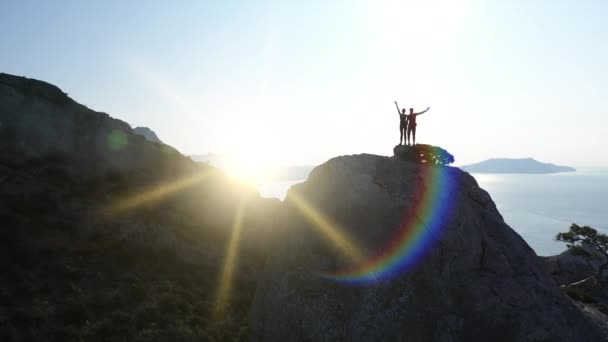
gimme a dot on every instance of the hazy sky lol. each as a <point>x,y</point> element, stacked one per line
<point>300,82</point>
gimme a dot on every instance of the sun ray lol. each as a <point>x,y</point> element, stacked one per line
<point>328,229</point>
<point>226,278</point>
<point>155,194</point>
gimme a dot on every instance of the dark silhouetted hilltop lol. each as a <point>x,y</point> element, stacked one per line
<point>509,165</point>
<point>107,236</point>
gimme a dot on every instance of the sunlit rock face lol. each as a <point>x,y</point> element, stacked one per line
<point>474,280</point>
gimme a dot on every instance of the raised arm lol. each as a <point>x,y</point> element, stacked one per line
<point>424,111</point>
<point>398,110</point>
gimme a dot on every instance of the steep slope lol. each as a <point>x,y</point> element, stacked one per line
<point>446,266</point>
<point>108,236</point>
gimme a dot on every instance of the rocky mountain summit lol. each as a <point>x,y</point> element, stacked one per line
<point>478,281</point>
<point>107,236</point>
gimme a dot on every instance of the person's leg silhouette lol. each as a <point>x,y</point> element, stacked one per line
<point>414,135</point>
<point>411,132</point>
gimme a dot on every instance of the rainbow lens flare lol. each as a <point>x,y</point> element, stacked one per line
<point>418,231</point>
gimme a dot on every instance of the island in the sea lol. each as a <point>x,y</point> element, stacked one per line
<point>515,165</point>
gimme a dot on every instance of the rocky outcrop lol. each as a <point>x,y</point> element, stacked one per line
<point>477,281</point>
<point>576,274</point>
<point>567,268</point>
<point>423,154</point>
<point>148,134</point>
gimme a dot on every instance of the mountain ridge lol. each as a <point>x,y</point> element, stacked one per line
<point>109,236</point>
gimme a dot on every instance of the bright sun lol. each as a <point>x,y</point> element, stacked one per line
<point>255,161</point>
<point>248,168</point>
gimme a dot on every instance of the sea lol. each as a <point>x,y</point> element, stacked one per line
<point>536,206</point>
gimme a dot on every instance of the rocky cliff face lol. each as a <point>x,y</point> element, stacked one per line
<point>477,281</point>
<point>567,268</point>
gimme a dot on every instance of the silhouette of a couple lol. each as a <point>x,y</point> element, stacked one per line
<point>407,123</point>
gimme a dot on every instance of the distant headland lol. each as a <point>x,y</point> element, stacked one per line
<point>515,165</point>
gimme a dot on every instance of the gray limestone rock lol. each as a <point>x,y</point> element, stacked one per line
<point>478,281</point>
<point>566,268</point>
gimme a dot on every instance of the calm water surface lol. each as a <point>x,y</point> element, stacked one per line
<point>540,206</point>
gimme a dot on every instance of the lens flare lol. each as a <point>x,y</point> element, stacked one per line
<point>117,140</point>
<point>418,231</point>
<point>226,279</point>
<point>155,193</point>
<point>328,229</point>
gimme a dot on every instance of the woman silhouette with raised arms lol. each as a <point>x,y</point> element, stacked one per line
<point>411,124</point>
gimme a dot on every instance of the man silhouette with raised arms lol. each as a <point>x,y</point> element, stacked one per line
<point>402,123</point>
<point>411,123</point>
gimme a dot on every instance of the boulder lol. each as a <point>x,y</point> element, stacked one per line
<point>423,154</point>
<point>380,249</point>
<point>567,268</point>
